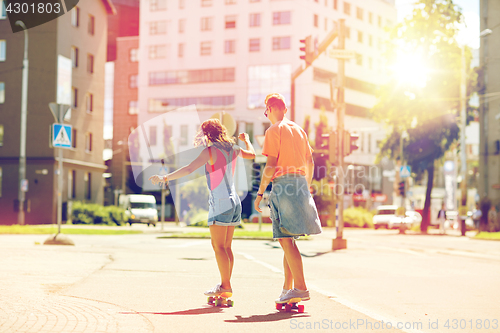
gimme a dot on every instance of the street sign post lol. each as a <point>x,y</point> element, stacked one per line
<point>341,54</point>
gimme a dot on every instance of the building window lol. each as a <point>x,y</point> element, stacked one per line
<point>206,3</point>
<point>182,4</point>
<point>249,131</point>
<point>71,184</point>
<point>230,46</point>
<point>134,55</point>
<point>91,27</point>
<point>316,19</point>
<point>359,13</point>
<point>88,142</point>
<point>261,79</point>
<point>89,102</point>
<point>74,97</point>
<point>255,20</point>
<point>370,40</point>
<point>133,107</point>
<point>90,63</point>
<point>206,48</point>
<point>326,24</point>
<point>230,2</point>
<point>73,137</point>
<point>184,135</point>
<point>379,22</point>
<point>180,50</point>
<point>75,17</point>
<point>347,8</point>
<point>360,37</point>
<point>1,135</point>
<point>3,14</point>
<point>281,43</point>
<point>157,28</point>
<point>192,76</point>
<point>282,18</point>
<point>335,5</point>
<point>132,81</point>
<point>157,5</point>
<point>2,92</point>
<point>152,136</point>
<point>206,23</point>
<point>254,45</point>
<point>87,179</point>
<point>205,103</point>
<point>182,26</point>
<point>74,56</point>
<point>230,22</point>
<point>370,17</point>
<point>359,59</point>
<point>3,49</point>
<point>157,51</point>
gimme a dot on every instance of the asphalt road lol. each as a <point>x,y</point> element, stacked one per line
<point>140,283</point>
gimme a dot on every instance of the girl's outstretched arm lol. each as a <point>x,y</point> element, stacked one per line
<point>249,153</point>
<point>184,171</point>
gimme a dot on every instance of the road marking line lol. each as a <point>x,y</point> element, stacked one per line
<point>338,299</point>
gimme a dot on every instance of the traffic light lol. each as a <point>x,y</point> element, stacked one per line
<point>401,188</point>
<point>350,143</point>
<point>333,148</point>
<point>320,167</point>
<point>308,49</point>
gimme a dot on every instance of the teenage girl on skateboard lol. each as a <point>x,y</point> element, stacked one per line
<point>224,212</point>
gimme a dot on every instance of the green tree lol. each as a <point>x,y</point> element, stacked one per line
<point>426,110</point>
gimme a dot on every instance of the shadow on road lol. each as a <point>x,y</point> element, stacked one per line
<point>276,316</point>
<point>190,312</point>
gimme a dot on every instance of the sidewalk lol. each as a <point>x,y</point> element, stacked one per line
<point>138,283</point>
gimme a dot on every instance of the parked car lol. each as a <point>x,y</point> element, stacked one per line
<point>384,215</point>
<point>411,219</point>
<point>140,208</point>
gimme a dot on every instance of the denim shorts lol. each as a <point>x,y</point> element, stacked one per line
<point>293,211</point>
<point>224,211</point>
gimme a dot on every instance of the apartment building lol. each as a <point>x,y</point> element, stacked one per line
<point>66,63</point>
<point>227,55</point>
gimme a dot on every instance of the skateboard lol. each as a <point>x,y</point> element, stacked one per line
<point>291,305</point>
<point>221,300</point>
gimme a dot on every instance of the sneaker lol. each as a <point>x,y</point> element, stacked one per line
<point>217,290</point>
<point>294,293</point>
<point>283,293</point>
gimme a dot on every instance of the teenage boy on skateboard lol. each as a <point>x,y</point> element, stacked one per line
<point>293,211</point>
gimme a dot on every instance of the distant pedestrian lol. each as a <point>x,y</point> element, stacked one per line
<point>293,211</point>
<point>442,219</point>
<point>492,219</point>
<point>476,217</point>
<point>224,212</point>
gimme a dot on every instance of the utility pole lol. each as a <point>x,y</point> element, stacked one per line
<point>24,115</point>
<point>340,243</point>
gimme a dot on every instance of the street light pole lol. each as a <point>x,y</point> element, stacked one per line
<point>24,112</point>
<point>463,151</point>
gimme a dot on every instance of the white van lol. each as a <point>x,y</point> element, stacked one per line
<point>140,208</point>
<point>384,215</point>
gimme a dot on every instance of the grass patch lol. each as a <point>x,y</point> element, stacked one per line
<point>35,230</point>
<point>488,235</point>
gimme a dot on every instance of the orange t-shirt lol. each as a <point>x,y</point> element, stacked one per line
<point>288,142</point>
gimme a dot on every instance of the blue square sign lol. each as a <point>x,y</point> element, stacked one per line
<point>61,136</point>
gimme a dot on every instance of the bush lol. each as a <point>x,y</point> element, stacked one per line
<point>358,217</point>
<point>87,213</point>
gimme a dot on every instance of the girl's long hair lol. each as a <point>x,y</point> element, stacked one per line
<point>215,132</point>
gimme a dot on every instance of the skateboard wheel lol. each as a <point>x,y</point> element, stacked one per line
<point>210,300</point>
<point>230,303</point>
<point>279,306</point>
<point>300,308</point>
<point>288,308</point>
<point>218,302</point>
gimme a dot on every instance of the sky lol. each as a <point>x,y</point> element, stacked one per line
<point>469,33</point>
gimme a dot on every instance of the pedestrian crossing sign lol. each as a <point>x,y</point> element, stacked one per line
<point>61,136</point>
<point>405,171</point>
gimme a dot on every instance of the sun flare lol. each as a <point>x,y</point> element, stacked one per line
<point>410,69</point>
